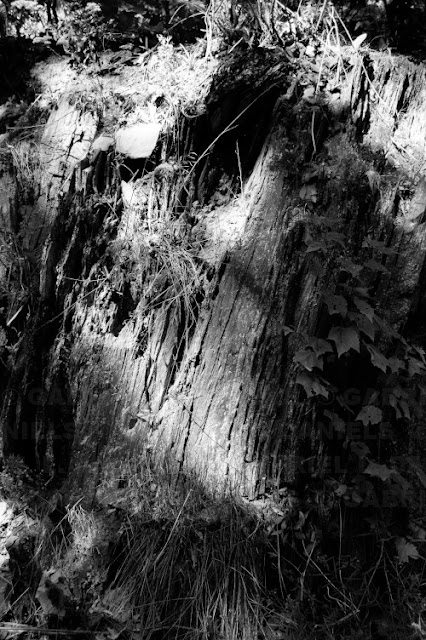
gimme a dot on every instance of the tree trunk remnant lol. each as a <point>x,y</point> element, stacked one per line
<point>213,386</point>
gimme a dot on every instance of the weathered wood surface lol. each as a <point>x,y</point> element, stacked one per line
<point>220,396</point>
<point>66,140</point>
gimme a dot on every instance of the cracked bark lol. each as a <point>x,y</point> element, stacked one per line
<point>220,396</point>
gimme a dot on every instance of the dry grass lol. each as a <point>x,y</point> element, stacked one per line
<point>155,239</point>
<point>188,564</point>
<point>28,169</point>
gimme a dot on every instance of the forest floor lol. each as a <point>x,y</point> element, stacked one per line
<point>158,557</point>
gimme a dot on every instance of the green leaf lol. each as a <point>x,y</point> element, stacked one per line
<point>373,265</point>
<point>335,238</point>
<point>345,338</point>
<point>311,385</point>
<point>339,425</point>
<point>378,471</point>
<point>387,329</point>
<point>361,291</point>
<point>319,346</point>
<point>364,308</point>
<point>364,325</point>
<point>360,449</point>
<point>418,469</point>
<point>393,401</point>
<point>415,367</point>
<point>336,305</point>
<point>367,328</point>
<point>406,550</point>
<point>378,359</point>
<point>319,221</point>
<point>310,174</point>
<point>340,490</point>
<point>419,351</point>
<point>308,192</point>
<point>308,359</point>
<point>379,246</point>
<point>405,409</point>
<point>350,267</point>
<point>315,245</point>
<point>370,415</point>
<point>396,364</point>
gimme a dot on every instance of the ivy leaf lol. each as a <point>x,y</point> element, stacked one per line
<point>338,424</point>
<point>367,328</point>
<point>315,245</point>
<point>378,471</point>
<point>406,550</point>
<point>415,367</point>
<point>405,409</point>
<point>310,174</point>
<point>396,364</point>
<point>340,490</point>
<point>379,246</point>
<point>345,338</point>
<point>287,330</point>
<point>393,401</point>
<point>336,305</point>
<point>360,449</point>
<point>308,192</point>
<point>370,415</point>
<point>378,359</point>
<point>361,291</point>
<point>417,468</point>
<point>364,325</point>
<point>399,392</point>
<point>373,265</point>
<point>333,237</point>
<point>420,352</point>
<point>350,267</point>
<point>308,359</point>
<point>311,385</point>
<point>326,221</point>
<point>364,308</point>
<point>320,346</point>
<point>386,328</point>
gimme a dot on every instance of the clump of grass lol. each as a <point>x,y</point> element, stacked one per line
<point>154,241</point>
<point>200,573</point>
<point>189,580</point>
<point>28,169</point>
<point>188,563</point>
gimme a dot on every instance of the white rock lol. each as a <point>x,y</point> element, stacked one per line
<point>137,141</point>
<point>128,193</point>
<point>103,143</point>
<point>6,513</point>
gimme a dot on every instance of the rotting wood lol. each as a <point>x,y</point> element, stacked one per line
<point>226,404</point>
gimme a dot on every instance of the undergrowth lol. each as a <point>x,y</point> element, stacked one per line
<point>157,555</point>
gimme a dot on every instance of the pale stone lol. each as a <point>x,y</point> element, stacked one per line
<point>137,141</point>
<point>103,143</point>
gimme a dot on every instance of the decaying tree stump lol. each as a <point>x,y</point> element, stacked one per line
<point>213,383</point>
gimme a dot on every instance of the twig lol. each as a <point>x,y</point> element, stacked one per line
<point>229,127</point>
<point>12,627</point>
<point>237,151</point>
